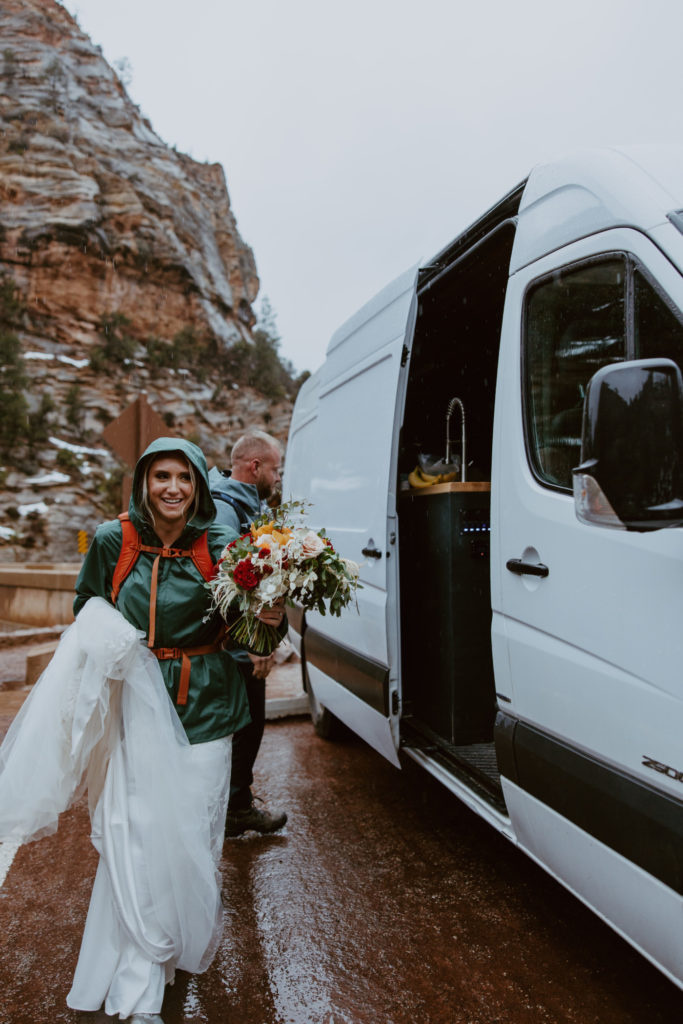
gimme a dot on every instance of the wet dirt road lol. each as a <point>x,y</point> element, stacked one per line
<point>383,902</point>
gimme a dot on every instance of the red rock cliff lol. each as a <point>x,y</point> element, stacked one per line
<point>98,214</point>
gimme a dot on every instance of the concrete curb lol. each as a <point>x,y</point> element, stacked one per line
<point>37,593</point>
<point>287,707</point>
<point>31,635</point>
<point>38,660</point>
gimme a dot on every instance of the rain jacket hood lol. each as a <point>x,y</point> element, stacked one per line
<point>245,494</point>
<point>206,512</point>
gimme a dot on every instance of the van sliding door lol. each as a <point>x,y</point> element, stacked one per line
<point>349,662</point>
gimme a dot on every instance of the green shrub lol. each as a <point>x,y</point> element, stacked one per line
<point>185,348</point>
<point>39,421</point>
<point>13,403</point>
<point>258,363</point>
<point>110,490</point>
<point>67,461</point>
<point>97,361</point>
<point>74,405</point>
<point>116,343</point>
<point>56,82</point>
<point>103,415</point>
<point>9,66</point>
<point>12,305</point>
<point>159,353</point>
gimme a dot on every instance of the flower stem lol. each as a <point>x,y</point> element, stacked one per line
<point>260,638</point>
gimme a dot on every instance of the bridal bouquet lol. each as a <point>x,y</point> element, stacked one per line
<point>278,559</point>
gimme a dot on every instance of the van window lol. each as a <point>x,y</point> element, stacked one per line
<point>658,328</point>
<point>575,324</point>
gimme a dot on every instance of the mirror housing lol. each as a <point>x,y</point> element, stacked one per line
<point>631,472</point>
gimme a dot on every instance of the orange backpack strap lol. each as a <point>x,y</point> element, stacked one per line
<point>201,556</point>
<point>131,548</point>
<point>128,556</point>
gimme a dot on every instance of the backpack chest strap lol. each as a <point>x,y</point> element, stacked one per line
<point>160,553</point>
<point>131,546</point>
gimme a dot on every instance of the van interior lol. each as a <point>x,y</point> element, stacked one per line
<point>447,683</point>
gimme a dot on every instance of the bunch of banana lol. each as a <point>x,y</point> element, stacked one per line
<point>418,478</point>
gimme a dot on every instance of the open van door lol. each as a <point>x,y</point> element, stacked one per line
<point>352,661</point>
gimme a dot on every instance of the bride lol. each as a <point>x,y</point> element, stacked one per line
<point>138,706</point>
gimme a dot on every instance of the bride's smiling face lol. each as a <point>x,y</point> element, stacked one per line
<point>170,489</point>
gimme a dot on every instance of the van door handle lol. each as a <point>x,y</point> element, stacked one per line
<point>521,568</point>
<point>371,551</point>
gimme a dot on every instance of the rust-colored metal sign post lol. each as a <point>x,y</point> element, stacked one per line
<point>130,433</point>
<point>136,427</point>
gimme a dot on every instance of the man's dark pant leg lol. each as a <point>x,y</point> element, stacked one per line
<point>246,741</point>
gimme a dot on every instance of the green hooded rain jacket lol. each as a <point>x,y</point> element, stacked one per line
<point>216,704</point>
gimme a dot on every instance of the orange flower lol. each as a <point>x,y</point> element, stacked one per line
<point>264,534</point>
<point>262,530</point>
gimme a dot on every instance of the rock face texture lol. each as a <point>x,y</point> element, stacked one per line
<point>90,193</point>
<point>121,270</point>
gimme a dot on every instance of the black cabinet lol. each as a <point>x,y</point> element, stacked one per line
<point>447,669</point>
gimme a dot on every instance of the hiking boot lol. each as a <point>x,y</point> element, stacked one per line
<point>253,819</point>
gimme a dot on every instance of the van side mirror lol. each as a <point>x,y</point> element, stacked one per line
<point>631,472</point>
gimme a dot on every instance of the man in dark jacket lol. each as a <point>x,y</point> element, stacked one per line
<point>239,494</point>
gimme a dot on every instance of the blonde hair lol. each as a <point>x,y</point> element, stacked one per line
<point>142,498</point>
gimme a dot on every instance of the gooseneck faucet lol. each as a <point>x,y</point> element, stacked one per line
<point>451,406</point>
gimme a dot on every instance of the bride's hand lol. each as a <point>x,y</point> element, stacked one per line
<point>272,616</point>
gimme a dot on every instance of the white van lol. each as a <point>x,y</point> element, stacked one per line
<point>521,627</point>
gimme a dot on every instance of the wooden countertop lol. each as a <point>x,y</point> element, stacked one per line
<point>454,485</point>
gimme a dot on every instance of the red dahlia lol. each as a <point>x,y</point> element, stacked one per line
<point>244,575</point>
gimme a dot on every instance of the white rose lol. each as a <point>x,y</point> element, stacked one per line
<point>311,545</point>
<point>352,567</point>
<point>271,587</point>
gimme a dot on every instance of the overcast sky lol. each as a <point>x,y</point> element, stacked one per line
<point>358,138</point>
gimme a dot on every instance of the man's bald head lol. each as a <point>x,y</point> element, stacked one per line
<point>256,459</point>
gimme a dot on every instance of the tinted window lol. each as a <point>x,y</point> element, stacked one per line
<point>658,330</point>
<point>575,323</point>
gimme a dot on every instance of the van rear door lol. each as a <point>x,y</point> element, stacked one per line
<point>352,661</point>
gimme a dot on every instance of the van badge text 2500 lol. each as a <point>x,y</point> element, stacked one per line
<point>663,769</point>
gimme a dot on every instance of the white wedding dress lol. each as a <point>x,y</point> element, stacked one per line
<point>100,718</point>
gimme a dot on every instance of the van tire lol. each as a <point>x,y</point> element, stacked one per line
<point>326,725</point>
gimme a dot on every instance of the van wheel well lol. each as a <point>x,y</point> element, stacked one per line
<point>326,725</point>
